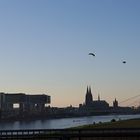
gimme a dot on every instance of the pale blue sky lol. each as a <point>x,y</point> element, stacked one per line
<point>44,46</point>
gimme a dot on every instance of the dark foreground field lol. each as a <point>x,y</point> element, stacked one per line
<point>133,123</point>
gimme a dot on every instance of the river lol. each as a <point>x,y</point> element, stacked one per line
<point>61,123</point>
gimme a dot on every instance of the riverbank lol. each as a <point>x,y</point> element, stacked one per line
<point>131,123</point>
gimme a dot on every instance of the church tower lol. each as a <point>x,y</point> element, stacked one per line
<point>88,98</point>
<point>115,103</point>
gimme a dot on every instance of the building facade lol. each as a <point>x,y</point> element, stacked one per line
<point>24,102</point>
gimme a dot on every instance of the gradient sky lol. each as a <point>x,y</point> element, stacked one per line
<point>44,46</point>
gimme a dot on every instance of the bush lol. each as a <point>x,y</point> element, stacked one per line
<point>113,120</point>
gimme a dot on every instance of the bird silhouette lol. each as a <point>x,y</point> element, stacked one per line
<point>91,54</point>
<point>123,61</point>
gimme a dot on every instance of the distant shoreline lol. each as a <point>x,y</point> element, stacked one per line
<point>34,118</point>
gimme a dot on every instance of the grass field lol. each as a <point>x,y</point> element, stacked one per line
<point>133,123</point>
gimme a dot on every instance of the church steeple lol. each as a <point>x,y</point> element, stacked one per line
<point>87,89</point>
<point>115,103</point>
<point>88,98</point>
<point>98,97</point>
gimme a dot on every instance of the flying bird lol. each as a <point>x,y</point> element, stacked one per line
<point>123,62</point>
<point>91,54</point>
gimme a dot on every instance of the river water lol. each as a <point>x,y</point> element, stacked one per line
<point>61,123</point>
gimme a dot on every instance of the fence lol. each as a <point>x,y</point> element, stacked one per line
<point>71,134</point>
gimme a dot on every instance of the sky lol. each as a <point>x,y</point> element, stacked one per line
<point>44,46</point>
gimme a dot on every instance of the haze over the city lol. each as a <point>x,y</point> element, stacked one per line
<point>44,47</point>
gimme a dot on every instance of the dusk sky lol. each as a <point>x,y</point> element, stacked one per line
<point>44,46</point>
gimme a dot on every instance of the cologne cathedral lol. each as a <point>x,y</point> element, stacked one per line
<point>94,104</point>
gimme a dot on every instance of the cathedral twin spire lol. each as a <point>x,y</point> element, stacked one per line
<point>89,98</point>
<point>89,89</point>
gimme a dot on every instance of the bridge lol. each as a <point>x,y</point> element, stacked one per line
<point>131,101</point>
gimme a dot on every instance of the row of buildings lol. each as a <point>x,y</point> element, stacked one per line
<point>98,106</point>
<point>22,105</point>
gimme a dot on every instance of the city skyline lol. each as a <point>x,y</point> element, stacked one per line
<point>44,47</point>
